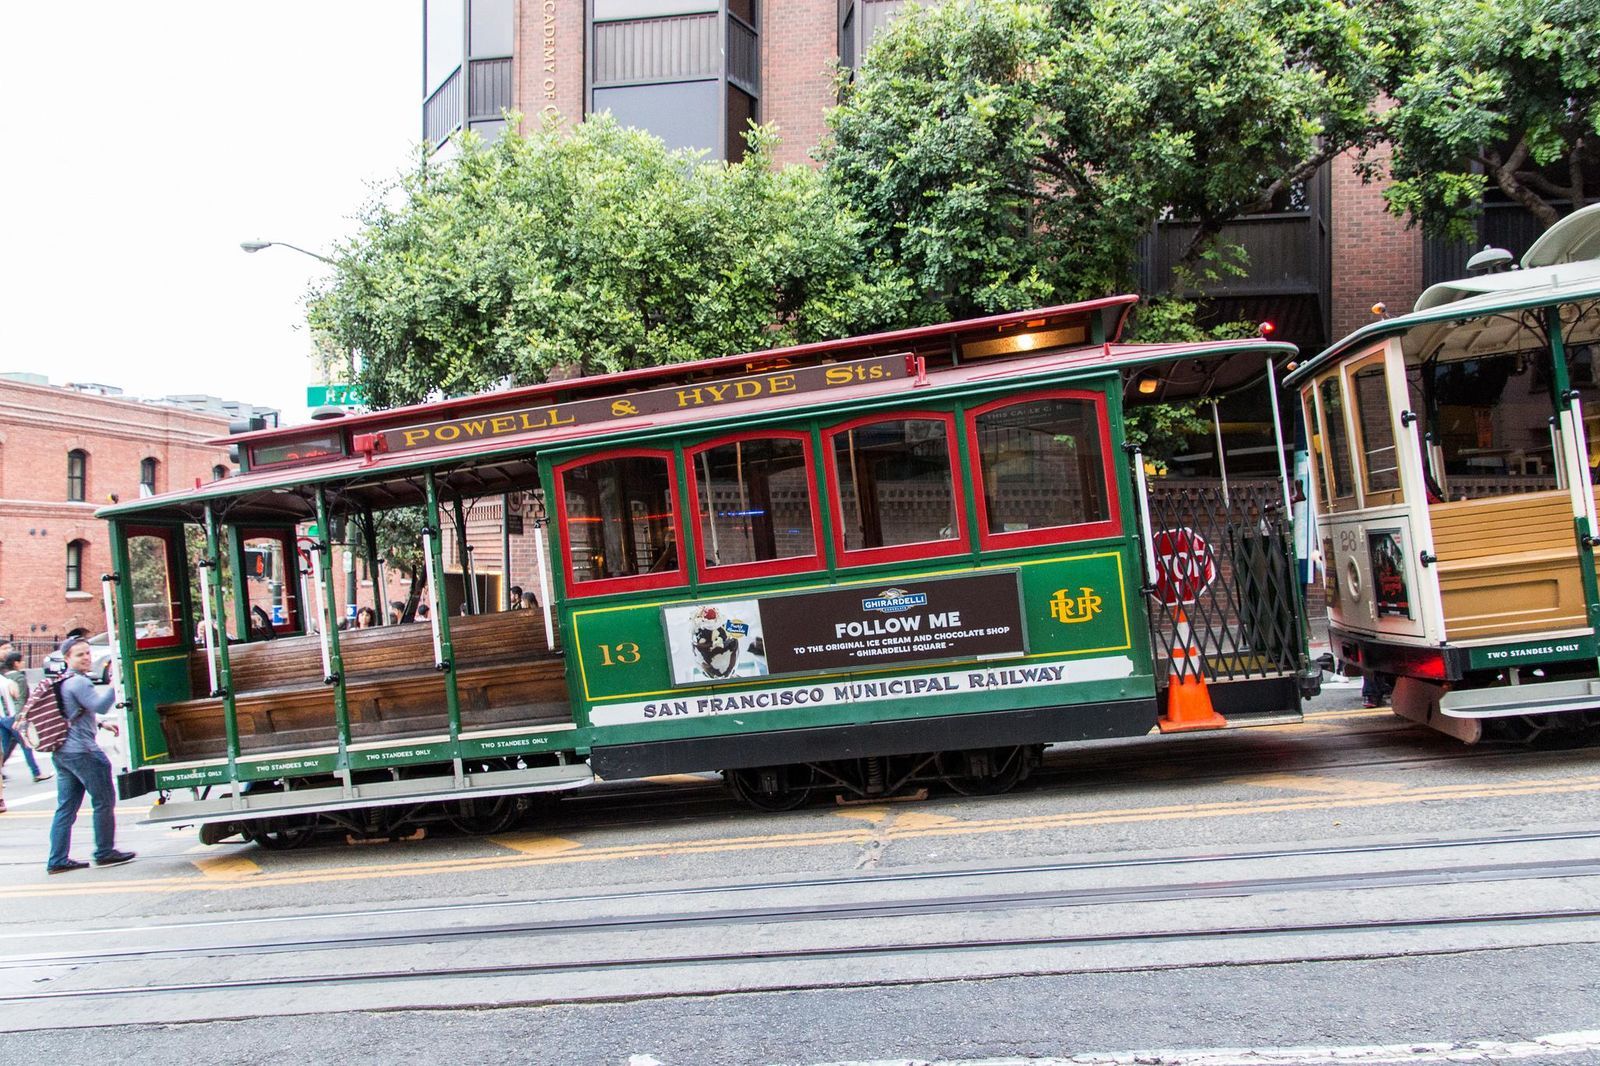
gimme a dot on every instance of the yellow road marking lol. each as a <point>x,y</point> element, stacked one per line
<point>854,835</point>
<point>536,844</point>
<point>1327,786</point>
<point>923,820</point>
<point>228,867</point>
<point>863,814</point>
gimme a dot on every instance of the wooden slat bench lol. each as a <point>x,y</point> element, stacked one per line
<point>504,675</point>
<point>1508,565</point>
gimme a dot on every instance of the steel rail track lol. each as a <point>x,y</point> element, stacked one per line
<point>846,911</point>
<point>1062,768</point>
<point>859,951</point>
<point>848,880</point>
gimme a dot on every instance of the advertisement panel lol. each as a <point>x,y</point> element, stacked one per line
<point>971,616</point>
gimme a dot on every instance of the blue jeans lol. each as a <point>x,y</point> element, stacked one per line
<point>77,773</point>
<point>10,741</point>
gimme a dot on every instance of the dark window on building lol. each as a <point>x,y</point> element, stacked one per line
<point>218,472</point>
<point>77,474</point>
<point>75,565</point>
<point>147,476</point>
<point>687,71</point>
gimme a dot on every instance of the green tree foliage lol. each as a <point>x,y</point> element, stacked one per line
<point>1009,153</point>
<point>589,251</point>
<point>1502,94</point>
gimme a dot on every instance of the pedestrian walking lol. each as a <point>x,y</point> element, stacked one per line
<point>13,691</point>
<point>82,767</point>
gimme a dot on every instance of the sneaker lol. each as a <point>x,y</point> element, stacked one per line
<point>69,865</point>
<point>116,858</point>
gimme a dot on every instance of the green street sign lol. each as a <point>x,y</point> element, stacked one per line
<point>333,395</point>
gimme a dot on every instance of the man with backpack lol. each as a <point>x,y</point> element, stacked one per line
<point>82,767</point>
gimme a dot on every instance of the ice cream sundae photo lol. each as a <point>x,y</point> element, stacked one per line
<point>715,640</point>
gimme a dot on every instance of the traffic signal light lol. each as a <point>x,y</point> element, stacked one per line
<point>258,564</point>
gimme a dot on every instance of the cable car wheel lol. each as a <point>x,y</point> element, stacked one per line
<point>772,788</point>
<point>281,834</point>
<point>483,815</point>
<point>985,771</point>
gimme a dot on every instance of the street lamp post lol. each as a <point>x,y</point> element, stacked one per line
<point>256,246</point>
<point>350,560</point>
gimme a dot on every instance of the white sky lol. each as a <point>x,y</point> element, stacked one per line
<point>145,141</point>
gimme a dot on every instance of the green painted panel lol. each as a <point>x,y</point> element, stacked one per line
<point>157,677</point>
<point>192,776</point>
<point>401,755</point>
<point>1531,652</point>
<point>1086,642</point>
<point>288,766</point>
<point>483,747</point>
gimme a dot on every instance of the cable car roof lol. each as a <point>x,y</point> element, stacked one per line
<point>1562,267</point>
<point>480,467</point>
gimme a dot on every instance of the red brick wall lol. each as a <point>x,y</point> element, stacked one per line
<point>38,426</point>
<point>547,66</point>
<point>1376,257</point>
<point>799,49</point>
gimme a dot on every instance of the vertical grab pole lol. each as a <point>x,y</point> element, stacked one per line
<point>505,555</point>
<point>1296,591</point>
<point>115,643</point>
<point>333,662</point>
<point>443,650</point>
<point>544,583</point>
<point>222,667</point>
<point>207,630</point>
<point>1570,413</point>
<point>1151,576</point>
<point>1222,458</point>
<point>1277,439</point>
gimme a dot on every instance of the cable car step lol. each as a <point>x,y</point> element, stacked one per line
<point>372,794</point>
<point>1503,701</point>
<point>1243,721</point>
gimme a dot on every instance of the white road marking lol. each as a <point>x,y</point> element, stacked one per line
<point>1584,1042</point>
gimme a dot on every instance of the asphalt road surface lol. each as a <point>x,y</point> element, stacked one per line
<point>1347,889</point>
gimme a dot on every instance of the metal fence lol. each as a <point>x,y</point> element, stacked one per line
<point>1246,621</point>
<point>35,649</point>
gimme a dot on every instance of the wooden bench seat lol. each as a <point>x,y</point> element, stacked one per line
<point>1508,565</point>
<point>504,677</point>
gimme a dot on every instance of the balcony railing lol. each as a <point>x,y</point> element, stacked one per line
<point>442,112</point>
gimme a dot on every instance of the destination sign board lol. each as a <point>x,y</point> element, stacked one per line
<point>705,395</point>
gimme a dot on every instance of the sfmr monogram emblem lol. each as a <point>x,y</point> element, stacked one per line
<point>1068,610</point>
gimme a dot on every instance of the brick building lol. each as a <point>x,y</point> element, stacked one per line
<point>692,72</point>
<point>65,451</point>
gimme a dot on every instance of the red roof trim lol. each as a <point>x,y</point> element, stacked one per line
<point>893,338</point>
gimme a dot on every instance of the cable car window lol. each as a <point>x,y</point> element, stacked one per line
<point>895,483</point>
<point>1314,434</point>
<point>1335,437</point>
<point>152,596</point>
<point>620,519</point>
<point>753,499</point>
<point>1380,463</point>
<point>1043,464</point>
<point>272,583</point>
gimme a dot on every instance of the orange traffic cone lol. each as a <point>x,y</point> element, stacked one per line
<point>1188,701</point>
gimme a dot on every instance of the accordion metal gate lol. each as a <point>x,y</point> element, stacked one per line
<point>1227,584</point>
